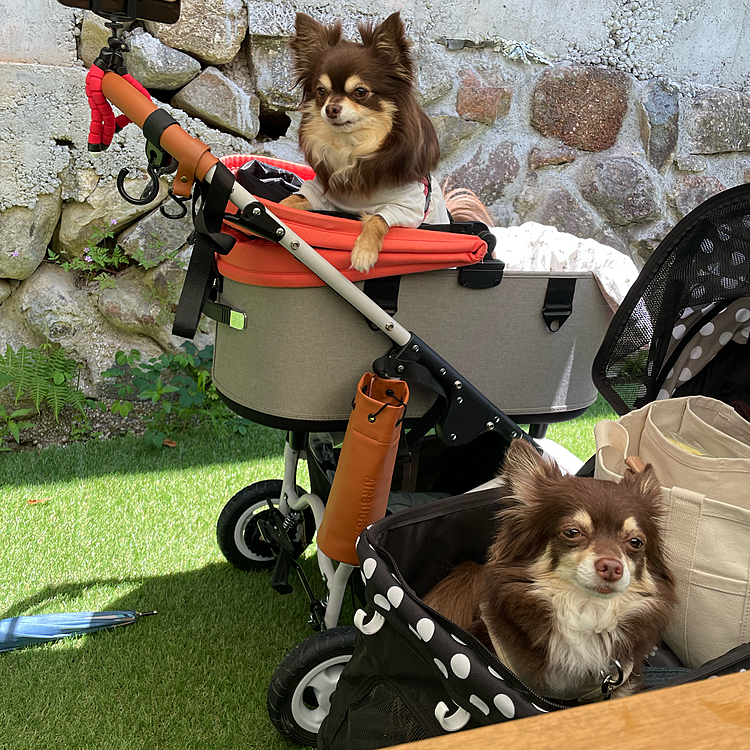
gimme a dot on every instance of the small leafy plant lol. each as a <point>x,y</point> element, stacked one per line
<point>47,376</point>
<point>9,425</point>
<point>180,388</point>
<point>103,258</point>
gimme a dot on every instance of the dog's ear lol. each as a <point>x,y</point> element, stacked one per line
<point>389,39</point>
<point>646,484</point>
<point>310,41</point>
<point>524,467</point>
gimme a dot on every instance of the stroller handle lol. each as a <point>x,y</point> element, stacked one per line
<point>194,157</point>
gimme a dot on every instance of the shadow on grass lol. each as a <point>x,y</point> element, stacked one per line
<point>128,454</point>
<point>193,676</point>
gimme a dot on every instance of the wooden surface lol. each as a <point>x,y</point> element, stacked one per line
<point>709,715</point>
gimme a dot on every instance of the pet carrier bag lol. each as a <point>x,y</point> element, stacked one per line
<point>683,327</point>
<point>414,674</point>
<point>499,325</point>
<point>700,450</point>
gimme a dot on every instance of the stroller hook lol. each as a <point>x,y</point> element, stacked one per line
<point>182,208</point>
<point>150,192</point>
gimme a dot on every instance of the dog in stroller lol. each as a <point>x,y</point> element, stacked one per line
<point>575,582</point>
<point>372,148</point>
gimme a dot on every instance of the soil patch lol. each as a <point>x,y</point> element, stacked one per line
<point>71,427</point>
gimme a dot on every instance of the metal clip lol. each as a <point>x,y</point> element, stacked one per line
<point>610,683</point>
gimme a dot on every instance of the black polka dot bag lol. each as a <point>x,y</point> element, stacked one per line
<point>415,674</point>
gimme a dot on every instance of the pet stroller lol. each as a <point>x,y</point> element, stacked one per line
<point>297,330</point>
<point>258,377</point>
<point>682,330</point>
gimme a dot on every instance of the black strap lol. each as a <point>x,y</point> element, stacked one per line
<point>558,302</point>
<point>156,123</point>
<point>209,240</point>
<point>384,293</point>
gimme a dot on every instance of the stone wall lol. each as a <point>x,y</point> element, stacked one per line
<point>639,116</point>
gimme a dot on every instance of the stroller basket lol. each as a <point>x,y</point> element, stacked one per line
<point>297,323</point>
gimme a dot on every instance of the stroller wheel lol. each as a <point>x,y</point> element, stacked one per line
<point>237,531</point>
<point>299,695</point>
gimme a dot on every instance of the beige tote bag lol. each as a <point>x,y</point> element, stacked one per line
<point>700,450</point>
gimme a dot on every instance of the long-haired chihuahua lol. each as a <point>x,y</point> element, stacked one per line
<point>371,146</point>
<point>576,586</point>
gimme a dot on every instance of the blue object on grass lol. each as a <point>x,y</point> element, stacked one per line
<point>29,630</point>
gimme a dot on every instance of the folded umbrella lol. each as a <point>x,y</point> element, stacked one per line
<point>19,632</point>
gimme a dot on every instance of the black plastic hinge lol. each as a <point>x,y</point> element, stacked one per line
<point>485,275</point>
<point>256,218</point>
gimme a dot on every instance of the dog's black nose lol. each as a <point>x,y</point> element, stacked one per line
<point>608,569</point>
<point>333,111</point>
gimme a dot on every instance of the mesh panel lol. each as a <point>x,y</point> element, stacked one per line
<point>702,264</point>
<point>378,719</point>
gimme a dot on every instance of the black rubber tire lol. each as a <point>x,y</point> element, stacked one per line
<point>323,654</point>
<point>239,538</point>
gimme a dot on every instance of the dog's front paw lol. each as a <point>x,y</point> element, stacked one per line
<point>296,201</point>
<point>364,255</point>
<point>369,243</point>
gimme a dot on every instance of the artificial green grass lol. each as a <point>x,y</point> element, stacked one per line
<point>124,527</point>
<point>577,435</point>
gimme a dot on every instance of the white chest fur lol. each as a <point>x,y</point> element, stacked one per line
<point>585,633</point>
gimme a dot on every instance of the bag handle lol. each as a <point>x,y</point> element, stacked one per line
<point>612,441</point>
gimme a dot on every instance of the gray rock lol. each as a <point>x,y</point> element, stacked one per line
<point>658,115</point>
<point>690,191</point>
<point>644,240</point>
<point>131,306</point>
<point>720,123</point>
<point>56,310</point>
<point>154,237</point>
<point>621,189</point>
<point>503,214</point>
<point>434,78</point>
<point>44,112</point>
<point>14,332</point>
<point>157,66</point>
<point>558,208</point>
<point>5,290</point>
<point>25,235</point>
<point>104,206</point>
<point>691,163</point>
<point>221,103</point>
<point>166,280</point>
<point>211,30</point>
<point>451,131</point>
<point>274,76</point>
<point>489,172</point>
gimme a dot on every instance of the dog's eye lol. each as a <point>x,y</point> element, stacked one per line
<point>635,542</point>
<point>571,533</point>
<point>320,92</point>
<point>360,92</point>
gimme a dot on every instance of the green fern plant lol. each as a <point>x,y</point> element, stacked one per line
<point>47,376</point>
